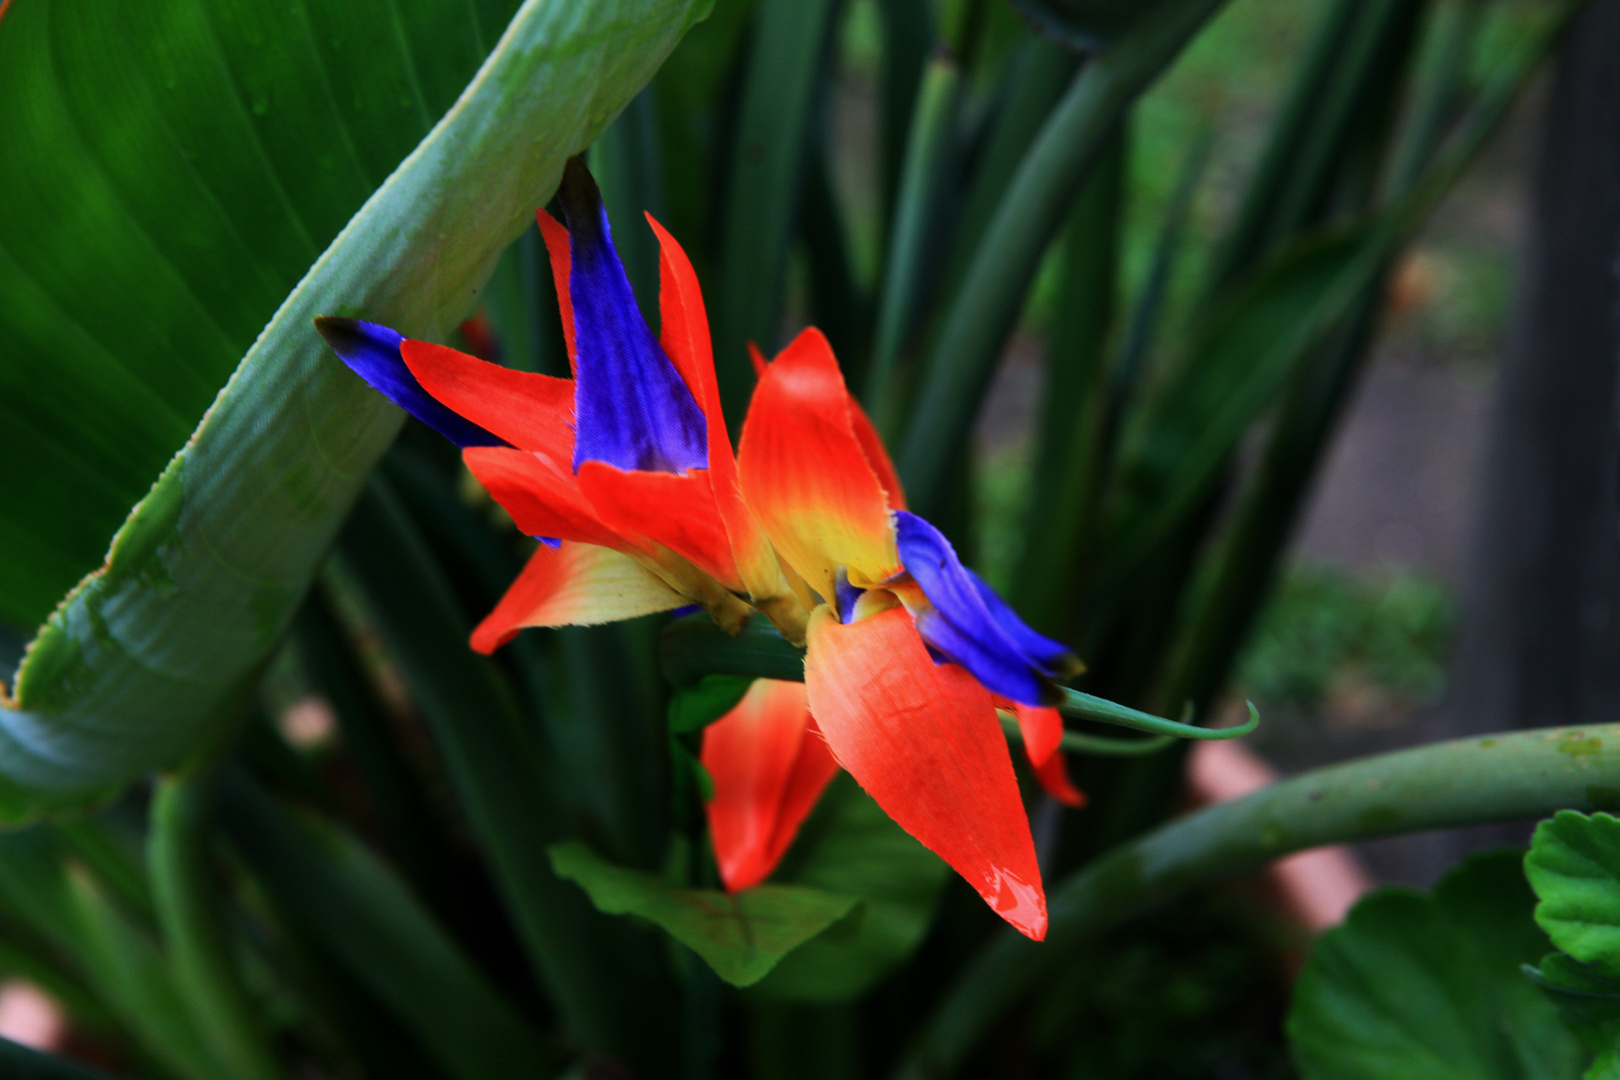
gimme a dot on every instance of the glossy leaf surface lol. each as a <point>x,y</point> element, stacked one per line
<point>171,172</point>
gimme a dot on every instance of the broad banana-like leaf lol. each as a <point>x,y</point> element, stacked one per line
<point>203,577</point>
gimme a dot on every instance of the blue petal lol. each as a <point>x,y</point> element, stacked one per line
<point>631,408</point>
<point>1053,657</point>
<point>372,352</point>
<point>961,626</point>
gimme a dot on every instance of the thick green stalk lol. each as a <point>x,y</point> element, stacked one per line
<point>1472,781</point>
<point>997,280</point>
<point>191,913</point>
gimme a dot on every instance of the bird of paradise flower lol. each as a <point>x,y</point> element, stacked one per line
<point>627,475</point>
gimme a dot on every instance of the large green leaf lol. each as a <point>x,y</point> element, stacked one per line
<point>849,846</point>
<point>1418,987</point>
<point>742,936</point>
<point>171,170</point>
<point>203,577</point>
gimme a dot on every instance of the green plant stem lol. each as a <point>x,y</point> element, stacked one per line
<point>1103,711</point>
<point>993,289</point>
<point>1075,743</point>
<point>190,911</point>
<point>1472,781</point>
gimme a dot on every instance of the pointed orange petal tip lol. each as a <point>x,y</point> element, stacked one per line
<point>562,262</point>
<point>805,476</point>
<point>1053,775</point>
<point>574,585</point>
<point>757,358</point>
<point>769,766</point>
<point>528,410</point>
<point>924,741</point>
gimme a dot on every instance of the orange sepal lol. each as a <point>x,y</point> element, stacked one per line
<point>677,511</point>
<point>541,495</point>
<point>561,251</point>
<point>769,766</point>
<point>924,741</point>
<point>805,475</point>
<point>528,410</point>
<point>684,332</point>
<point>575,585</point>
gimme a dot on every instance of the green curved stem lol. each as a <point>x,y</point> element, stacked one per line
<point>1103,711</point>
<point>1522,774</point>
<point>1076,743</point>
<point>190,910</point>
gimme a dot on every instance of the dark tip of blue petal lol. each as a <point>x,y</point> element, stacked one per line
<point>972,626</point>
<point>631,407</point>
<point>372,351</point>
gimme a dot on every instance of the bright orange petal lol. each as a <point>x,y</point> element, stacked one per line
<point>541,494</point>
<point>575,585</point>
<point>876,455</point>
<point>805,476</point>
<point>676,511</point>
<point>924,741</point>
<point>558,247</point>
<point>769,766</point>
<point>530,411</point>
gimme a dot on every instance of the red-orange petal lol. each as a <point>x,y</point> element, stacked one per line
<point>805,475</point>
<point>528,410</point>
<point>876,455</point>
<point>677,511</point>
<point>541,494</point>
<point>555,234</point>
<point>1054,777</point>
<point>924,741</point>
<point>684,331</point>
<point>1042,729</point>
<point>575,585</point>
<point>769,765</point>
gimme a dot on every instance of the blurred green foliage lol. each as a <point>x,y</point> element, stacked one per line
<point>1328,629</point>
